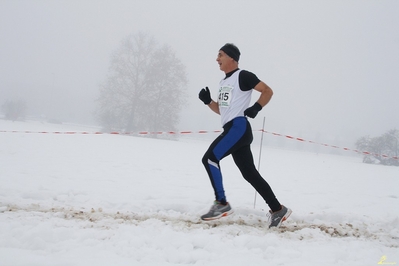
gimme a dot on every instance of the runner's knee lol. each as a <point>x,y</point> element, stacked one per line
<point>209,156</point>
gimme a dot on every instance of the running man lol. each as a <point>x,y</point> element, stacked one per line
<point>233,106</point>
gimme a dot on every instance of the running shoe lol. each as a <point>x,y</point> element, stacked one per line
<point>217,211</point>
<point>276,218</point>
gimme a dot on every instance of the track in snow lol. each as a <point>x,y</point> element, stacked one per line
<point>298,229</point>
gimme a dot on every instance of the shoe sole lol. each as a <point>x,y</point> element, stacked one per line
<point>219,216</point>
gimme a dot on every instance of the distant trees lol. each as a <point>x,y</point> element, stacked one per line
<point>383,150</point>
<point>145,88</point>
<point>14,110</point>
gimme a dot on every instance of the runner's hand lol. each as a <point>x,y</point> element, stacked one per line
<point>205,96</point>
<point>253,110</point>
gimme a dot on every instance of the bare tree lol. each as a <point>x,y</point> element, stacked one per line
<point>14,110</point>
<point>145,87</point>
<point>383,150</point>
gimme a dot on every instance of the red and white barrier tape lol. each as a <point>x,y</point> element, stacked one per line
<point>332,146</point>
<point>192,132</point>
<point>113,132</point>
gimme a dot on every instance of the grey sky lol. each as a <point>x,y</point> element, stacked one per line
<point>333,65</point>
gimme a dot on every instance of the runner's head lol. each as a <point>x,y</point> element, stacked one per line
<point>228,57</point>
<point>232,51</point>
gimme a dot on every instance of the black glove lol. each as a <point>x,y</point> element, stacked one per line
<point>205,96</point>
<point>253,110</point>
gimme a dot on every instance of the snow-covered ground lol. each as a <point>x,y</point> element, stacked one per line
<point>87,199</point>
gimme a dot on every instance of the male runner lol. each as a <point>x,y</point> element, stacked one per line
<point>233,106</point>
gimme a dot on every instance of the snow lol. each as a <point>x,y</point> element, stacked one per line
<point>87,199</point>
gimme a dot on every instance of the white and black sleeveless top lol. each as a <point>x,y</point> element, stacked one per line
<point>235,92</point>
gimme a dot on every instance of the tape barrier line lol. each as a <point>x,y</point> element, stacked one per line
<point>332,146</point>
<point>113,132</point>
<point>192,132</point>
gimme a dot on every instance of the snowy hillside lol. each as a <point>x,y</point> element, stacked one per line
<point>87,199</point>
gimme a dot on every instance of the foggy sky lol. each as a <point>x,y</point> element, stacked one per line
<point>333,65</point>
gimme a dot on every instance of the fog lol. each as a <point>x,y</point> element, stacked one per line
<point>333,65</point>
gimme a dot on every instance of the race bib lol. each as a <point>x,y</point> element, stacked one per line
<point>225,96</point>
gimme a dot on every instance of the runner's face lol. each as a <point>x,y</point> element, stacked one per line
<point>223,60</point>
